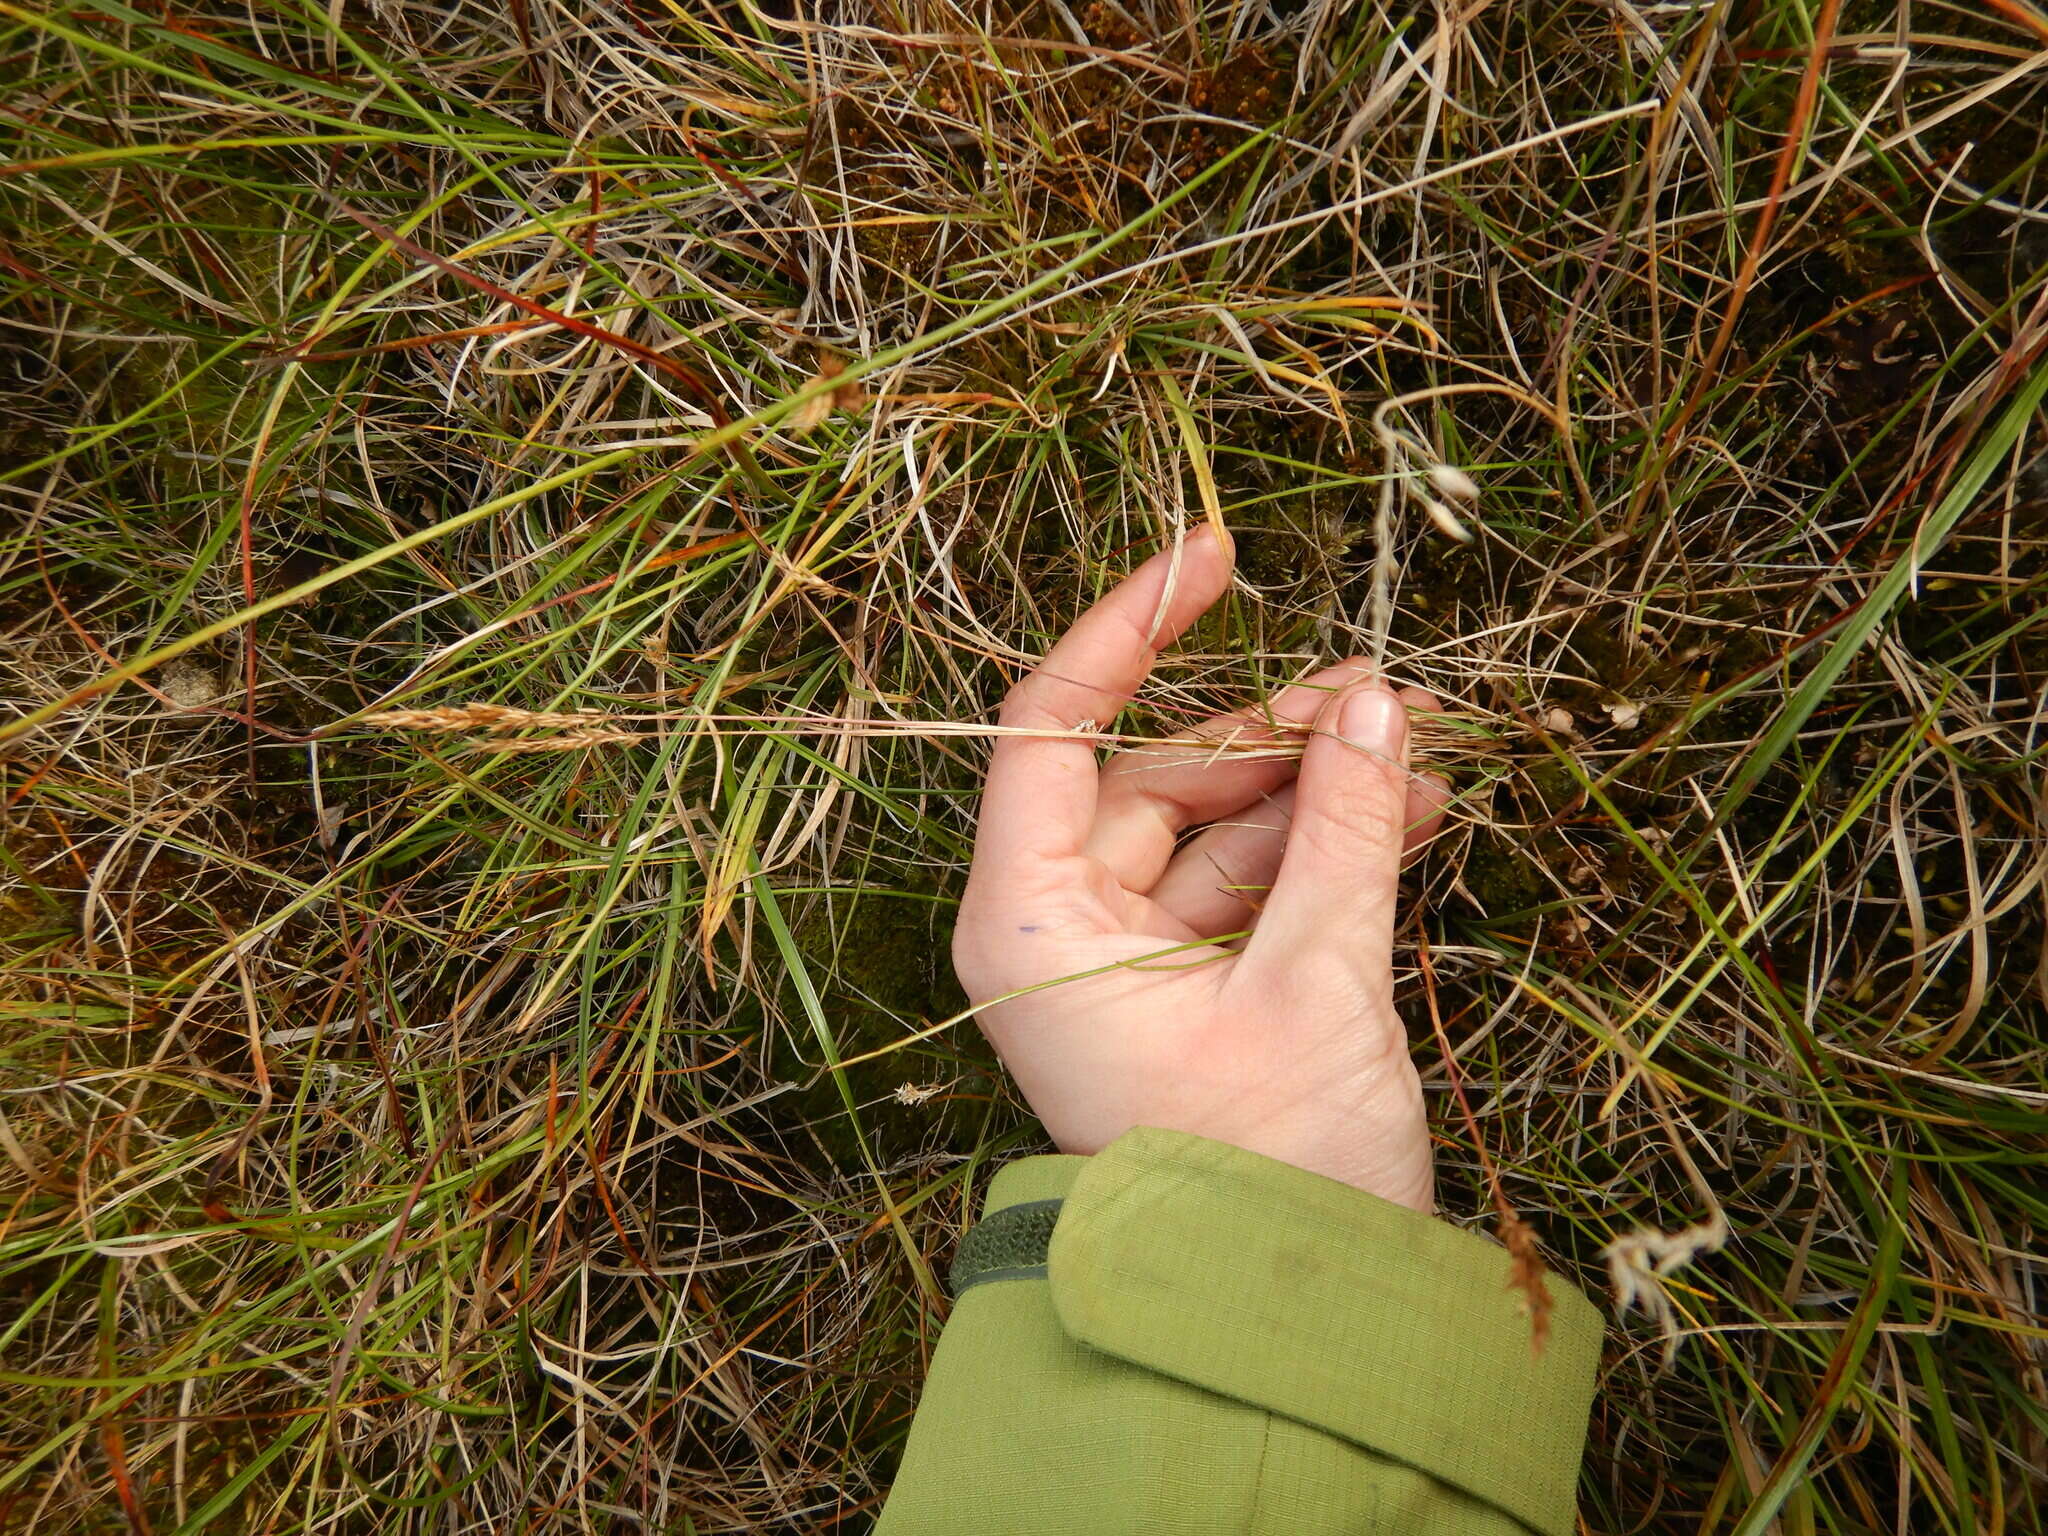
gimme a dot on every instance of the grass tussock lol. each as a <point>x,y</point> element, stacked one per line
<point>517,518</point>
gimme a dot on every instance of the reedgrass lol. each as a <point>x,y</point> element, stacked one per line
<point>518,519</point>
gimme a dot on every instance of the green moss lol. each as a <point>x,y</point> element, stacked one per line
<point>880,961</point>
<point>886,952</point>
<point>1501,876</point>
<point>1554,783</point>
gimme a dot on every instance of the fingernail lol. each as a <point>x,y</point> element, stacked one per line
<point>1372,718</point>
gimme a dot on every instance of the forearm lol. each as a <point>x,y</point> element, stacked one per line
<point>1218,1343</point>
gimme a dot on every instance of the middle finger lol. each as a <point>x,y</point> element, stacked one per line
<point>1150,794</point>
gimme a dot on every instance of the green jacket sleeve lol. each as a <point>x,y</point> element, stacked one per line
<point>1176,1337</point>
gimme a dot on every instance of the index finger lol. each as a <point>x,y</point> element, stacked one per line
<point>1039,801</point>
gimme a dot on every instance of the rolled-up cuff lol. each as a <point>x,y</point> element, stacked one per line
<point>1313,1300</point>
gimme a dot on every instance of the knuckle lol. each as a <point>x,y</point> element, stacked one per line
<point>1041,703</point>
<point>1023,703</point>
<point>1124,790</point>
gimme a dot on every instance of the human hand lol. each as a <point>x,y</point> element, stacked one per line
<point>1289,1045</point>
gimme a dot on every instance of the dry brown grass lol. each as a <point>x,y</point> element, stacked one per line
<point>519,517</point>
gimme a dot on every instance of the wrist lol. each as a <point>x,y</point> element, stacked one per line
<point>1375,1139</point>
<point>1382,1152</point>
<point>1399,1170</point>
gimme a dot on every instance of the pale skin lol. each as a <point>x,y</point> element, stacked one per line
<point>1285,1043</point>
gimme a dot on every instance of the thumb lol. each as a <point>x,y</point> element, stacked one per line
<point>1331,908</point>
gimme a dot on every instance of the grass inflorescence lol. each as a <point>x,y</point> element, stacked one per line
<point>517,519</point>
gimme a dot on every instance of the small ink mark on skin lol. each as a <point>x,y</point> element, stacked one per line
<point>1027,927</point>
